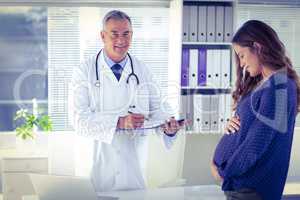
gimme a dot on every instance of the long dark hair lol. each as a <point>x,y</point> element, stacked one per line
<point>272,53</point>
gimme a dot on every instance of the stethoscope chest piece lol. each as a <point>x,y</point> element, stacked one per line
<point>97,83</point>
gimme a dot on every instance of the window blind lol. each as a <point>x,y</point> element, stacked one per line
<point>63,55</point>
<point>95,3</point>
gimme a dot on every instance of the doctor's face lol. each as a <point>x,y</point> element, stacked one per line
<point>116,37</point>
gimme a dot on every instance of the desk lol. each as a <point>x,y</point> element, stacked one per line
<point>203,192</point>
<point>291,191</point>
<point>14,167</point>
<point>31,197</point>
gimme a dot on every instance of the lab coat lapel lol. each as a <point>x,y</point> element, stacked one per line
<point>109,73</point>
<point>113,90</point>
<point>106,70</point>
<point>126,71</point>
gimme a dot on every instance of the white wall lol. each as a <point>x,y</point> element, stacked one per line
<point>294,170</point>
<point>198,153</point>
<point>199,150</point>
<point>164,166</point>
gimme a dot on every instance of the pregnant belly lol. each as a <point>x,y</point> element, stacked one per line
<point>225,148</point>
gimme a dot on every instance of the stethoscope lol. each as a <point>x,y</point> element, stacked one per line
<point>97,83</point>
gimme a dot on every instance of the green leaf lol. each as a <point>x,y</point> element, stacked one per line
<point>25,130</point>
<point>22,113</point>
<point>45,123</point>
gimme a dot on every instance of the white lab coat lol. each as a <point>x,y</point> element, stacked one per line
<point>119,156</point>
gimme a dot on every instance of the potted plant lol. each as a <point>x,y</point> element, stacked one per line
<point>26,131</point>
<point>31,123</point>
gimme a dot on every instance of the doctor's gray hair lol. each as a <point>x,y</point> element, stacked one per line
<point>117,15</point>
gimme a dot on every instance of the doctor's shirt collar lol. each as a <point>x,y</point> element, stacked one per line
<point>110,62</point>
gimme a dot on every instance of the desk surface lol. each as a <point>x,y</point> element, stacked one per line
<point>292,189</point>
<point>203,192</point>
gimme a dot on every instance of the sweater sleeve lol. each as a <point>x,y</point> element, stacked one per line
<point>271,117</point>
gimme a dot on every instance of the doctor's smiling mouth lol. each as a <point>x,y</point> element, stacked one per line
<point>121,49</point>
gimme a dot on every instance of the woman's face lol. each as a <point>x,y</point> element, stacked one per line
<point>248,60</point>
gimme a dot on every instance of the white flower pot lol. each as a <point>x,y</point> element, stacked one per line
<point>26,147</point>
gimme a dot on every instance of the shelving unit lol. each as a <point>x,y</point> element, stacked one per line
<point>206,67</point>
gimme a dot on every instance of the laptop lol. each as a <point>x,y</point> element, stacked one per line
<point>52,187</point>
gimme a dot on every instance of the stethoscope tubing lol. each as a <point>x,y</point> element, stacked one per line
<point>97,84</point>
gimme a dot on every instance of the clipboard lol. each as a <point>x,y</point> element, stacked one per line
<point>149,124</point>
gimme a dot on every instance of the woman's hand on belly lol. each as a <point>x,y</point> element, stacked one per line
<point>233,125</point>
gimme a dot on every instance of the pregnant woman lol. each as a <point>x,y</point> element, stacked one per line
<point>252,162</point>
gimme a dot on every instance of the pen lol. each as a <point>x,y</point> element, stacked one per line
<point>179,121</point>
<point>146,118</point>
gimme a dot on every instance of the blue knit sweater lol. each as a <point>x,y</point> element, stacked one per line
<point>257,156</point>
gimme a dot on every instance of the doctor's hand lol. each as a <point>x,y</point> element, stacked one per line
<point>171,126</point>
<point>131,121</point>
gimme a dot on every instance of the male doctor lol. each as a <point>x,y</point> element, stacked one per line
<point>114,98</point>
